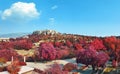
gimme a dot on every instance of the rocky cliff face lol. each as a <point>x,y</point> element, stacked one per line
<point>46,32</point>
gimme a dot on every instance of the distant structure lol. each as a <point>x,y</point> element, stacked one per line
<point>4,39</point>
<point>46,32</point>
<point>26,36</point>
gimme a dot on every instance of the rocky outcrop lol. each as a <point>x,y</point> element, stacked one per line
<point>46,32</point>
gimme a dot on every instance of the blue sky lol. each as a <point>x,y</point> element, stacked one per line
<point>84,17</point>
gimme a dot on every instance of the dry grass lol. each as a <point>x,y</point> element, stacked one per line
<point>26,52</point>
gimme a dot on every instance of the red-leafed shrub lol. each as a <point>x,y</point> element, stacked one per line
<point>91,57</point>
<point>64,53</point>
<point>98,44</point>
<point>113,46</point>
<point>59,54</point>
<point>63,47</point>
<point>56,69</point>
<point>57,44</point>
<point>23,44</point>
<point>34,38</point>
<point>110,42</point>
<point>69,67</point>
<point>68,43</point>
<point>6,45</point>
<point>86,56</point>
<point>46,51</point>
<point>8,53</point>
<point>14,67</point>
<point>78,46</point>
<point>21,63</point>
<point>101,59</point>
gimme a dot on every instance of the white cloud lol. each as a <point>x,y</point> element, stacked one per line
<point>54,7</point>
<point>51,21</point>
<point>20,12</point>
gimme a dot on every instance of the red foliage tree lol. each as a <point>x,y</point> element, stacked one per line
<point>34,38</point>
<point>101,59</point>
<point>110,42</point>
<point>57,44</point>
<point>46,51</point>
<point>97,44</point>
<point>6,45</point>
<point>62,53</point>
<point>56,69</point>
<point>86,56</point>
<point>91,57</point>
<point>68,43</point>
<point>59,54</point>
<point>113,47</point>
<point>14,67</point>
<point>22,44</point>
<point>8,53</point>
<point>78,46</point>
